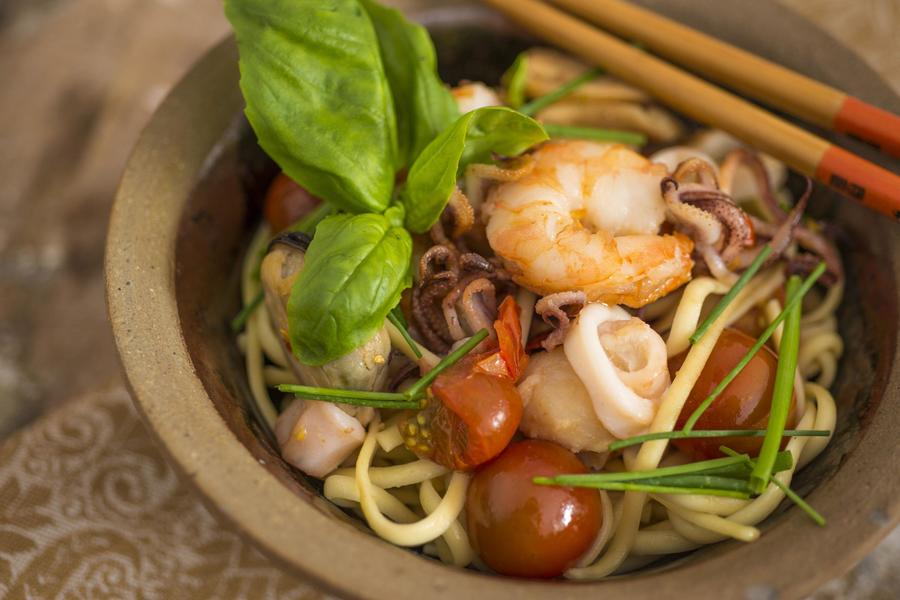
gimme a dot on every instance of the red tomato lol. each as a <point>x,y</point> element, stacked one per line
<point>527,530</point>
<point>744,404</point>
<point>474,408</point>
<point>287,203</point>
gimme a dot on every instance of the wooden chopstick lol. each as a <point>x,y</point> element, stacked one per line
<point>849,174</point>
<point>745,72</point>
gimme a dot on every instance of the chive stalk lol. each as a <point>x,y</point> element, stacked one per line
<point>412,398</point>
<point>792,301</point>
<point>782,392</point>
<point>687,469</point>
<point>396,317</point>
<point>448,361</point>
<point>559,93</point>
<point>791,494</point>
<point>711,433</point>
<point>238,322</point>
<point>735,289</point>
<point>630,138</point>
<point>619,486</point>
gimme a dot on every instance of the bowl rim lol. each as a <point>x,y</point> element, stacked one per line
<point>141,300</point>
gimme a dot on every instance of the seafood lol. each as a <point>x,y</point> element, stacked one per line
<point>587,218</point>
<point>557,406</point>
<point>623,365</point>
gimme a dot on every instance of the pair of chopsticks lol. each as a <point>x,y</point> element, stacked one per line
<point>801,96</point>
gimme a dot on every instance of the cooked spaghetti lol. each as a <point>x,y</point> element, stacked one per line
<point>633,347</point>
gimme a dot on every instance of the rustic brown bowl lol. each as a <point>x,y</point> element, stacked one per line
<point>188,202</point>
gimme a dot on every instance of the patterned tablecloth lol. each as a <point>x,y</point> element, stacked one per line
<point>88,506</point>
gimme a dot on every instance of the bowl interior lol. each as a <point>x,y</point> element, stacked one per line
<point>223,208</point>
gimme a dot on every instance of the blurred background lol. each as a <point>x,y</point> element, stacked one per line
<point>79,80</point>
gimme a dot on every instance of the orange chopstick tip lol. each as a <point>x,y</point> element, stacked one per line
<point>861,180</point>
<point>869,123</point>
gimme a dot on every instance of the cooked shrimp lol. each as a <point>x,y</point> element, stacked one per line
<point>587,218</point>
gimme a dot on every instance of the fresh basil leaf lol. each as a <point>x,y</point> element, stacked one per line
<point>514,79</point>
<point>317,96</point>
<point>355,269</point>
<point>422,103</point>
<point>471,139</point>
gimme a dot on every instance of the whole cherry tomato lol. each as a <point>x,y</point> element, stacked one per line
<point>527,530</point>
<point>286,203</point>
<point>473,408</point>
<point>744,404</point>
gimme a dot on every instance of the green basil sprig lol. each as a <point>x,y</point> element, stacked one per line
<point>318,98</point>
<point>422,103</point>
<point>471,139</point>
<point>355,269</point>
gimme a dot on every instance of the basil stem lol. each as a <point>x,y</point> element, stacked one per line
<point>711,433</point>
<point>238,322</point>
<point>515,79</point>
<point>782,392</point>
<point>791,303</point>
<point>735,289</point>
<point>448,361</point>
<point>395,317</point>
<point>535,106</point>
<point>630,138</point>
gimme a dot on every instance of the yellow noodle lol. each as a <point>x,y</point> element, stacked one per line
<point>270,344</point>
<point>713,524</point>
<point>399,342</point>
<point>826,418</point>
<point>401,475</point>
<point>455,537</point>
<point>410,534</point>
<point>253,357</point>
<point>827,307</point>
<point>687,314</point>
<point>389,437</point>
<point>607,526</point>
<point>275,376</point>
<point>341,487</point>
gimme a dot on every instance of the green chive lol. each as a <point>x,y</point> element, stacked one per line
<point>355,397</point>
<point>804,506</point>
<point>238,322</point>
<point>735,289</point>
<point>448,361</point>
<point>616,486</point>
<point>791,303</point>
<point>791,494</point>
<point>782,392</point>
<point>629,138</point>
<point>688,469</point>
<point>515,79</point>
<point>396,317</point>
<point>535,106</point>
<point>711,433</point>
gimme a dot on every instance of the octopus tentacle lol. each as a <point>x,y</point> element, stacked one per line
<point>552,309</point>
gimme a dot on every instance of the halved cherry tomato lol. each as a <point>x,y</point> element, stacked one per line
<point>473,408</point>
<point>744,404</point>
<point>287,202</point>
<point>527,530</point>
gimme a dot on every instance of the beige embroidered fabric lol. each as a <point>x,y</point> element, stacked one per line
<point>90,509</point>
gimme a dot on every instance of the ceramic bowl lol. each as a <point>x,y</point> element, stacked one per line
<point>188,201</point>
